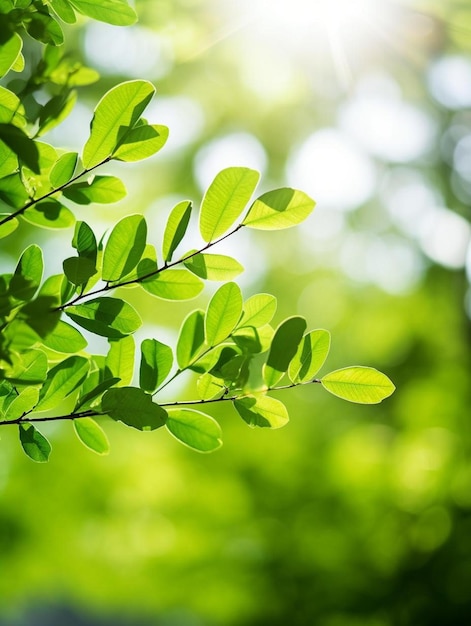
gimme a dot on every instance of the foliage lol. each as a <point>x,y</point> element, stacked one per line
<point>239,358</point>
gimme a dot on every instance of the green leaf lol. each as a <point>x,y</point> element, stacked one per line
<point>283,348</point>
<point>190,339</point>
<point>101,189</point>
<point>176,228</point>
<point>115,115</point>
<point>84,241</point>
<point>133,407</point>
<point>24,402</point>
<point>263,411</point>
<point>253,340</point>
<point>225,200</point>
<point>196,430</point>
<point>91,435</point>
<point>11,109</point>
<point>119,361</point>
<point>156,363</point>
<point>42,27</point>
<point>10,50</point>
<point>116,12</point>
<point>35,445</point>
<point>173,285</point>
<point>86,400</point>
<point>62,380</point>
<point>224,310</point>
<point>65,338</point>
<point>55,111</point>
<point>278,209</point>
<point>63,170</point>
<point>8,227</point>
<point>49,214</point>
<point>63,10</point>
<point>24,147</point>
<point>310,357</point>
<point>108,317</point>
<point>29,368</point>
<point>8,161</point>
<point>258,310</point>
<point>28,274</point>
<point>141,142</point>
<point>364,385</point>
<point>214,266</point>
<point>146,266</point>
<point>125,247</point>
<point>12,191</point>
<point>78,269</point>
<point>209,386</point>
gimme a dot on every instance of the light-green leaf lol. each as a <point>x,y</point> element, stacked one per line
<point>35,445</point>
<point>190,339</point>
<point>141,142</point>
<point>101,189</point>
<point>133,407</point>
<point>62,380</point>
<point>119,361</point>
<point>196,430</point>
<point>214,266</point>
<point>364,385</point>
<point>116,12</point>
<point>125,247</point>
<point>108,317</point>
<point>49,214</point>
<point>65,338</point>
<point>224,310</point>
<point>176,228</point>
<point>208,386</point>
<point>310,357</point>
<point>263,411</point>
<point>63,170</point>
<point>10,50</point>
<point>91,435</point>
<point>28,273</point>
<point>283,348</point>
<point>24,402</point>
<point>156,363</point>
<point>258,310</point>
<point>278,209</point>
<point>115,115</point>
<point>173,285</point>
<point>225,199</point>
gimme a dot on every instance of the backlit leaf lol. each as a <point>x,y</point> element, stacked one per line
<point>283,348</point>
<point>141,142</point>
<point>173,285</point>
<point>116,12</point>
<point>278,209</point>
<point>119,361</point>
<point>258,310</point>
<point>156,363</point>
<point>124,248</point>
<point>108,317</point>
<point>197,430</point>
<point>62,380</point>
<point>10,50</point>
<point>101,189</point>
<point>263,411</point>
<point>63,170</point>
<point>223,313</point>
<point>24,402</point>
<point>49,214</point>
<point>133,407</point>
<point>91,435</point>
<point>364,385</point>
<point>190,339</point>
<point>35,445</point>
<point>65,338</point>
<point>176,228</point>
<point>214,266</point>
<point>310,357</point>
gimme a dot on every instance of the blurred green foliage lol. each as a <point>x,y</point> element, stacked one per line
<point>350,515</point>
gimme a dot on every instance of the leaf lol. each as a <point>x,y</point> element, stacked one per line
<point>156,363</point>
<point>65,338</point>
<point>35,445</point>
<point>24,402</point>
<point>196,430</point>
<point>86,400</point>
<point>10,50</point>
<point>28,274</point>
<point>190,339</point>
<point>115,115</point>
<point>108,317</point>
<point>176,228</point>
<point>225,200</point>
<point>283,348</point>
<point>278,209</point>
<point>8,227</point>
<point>146,266</point>
<point>12,191</point>
<point>141,142</point>
<point>63,169</point>
<point>133,407</point>
<point>102,189</point>
<point>224,310</point>
<point>214,266</point>
<point>116,12</point>
<point>173,285</point>
<point>42,27</point>
<point>11,109</point>
<point>24,147</point>
<point>125,247</point>
<point>310,357</point>
<point>55,111</point>
<point>258,310</point>
<point>78,269</point>
<point>63,10</point>
<point>253,340</point>
<point>84,241</point>
<point>263,411</point>
<point>62,380</point>
<point>208,386</point>
<point>49,214</point>
<point>91,435</point>
<point>29,368</point>
<point>119,361</point>
<point>364,385</point>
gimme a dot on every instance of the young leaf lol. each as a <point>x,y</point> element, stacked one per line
<point>283,348</point>
<point>49,214</point>
<point>214,266</point>
<point>208,386</point>
<point>191,338</point>
<point>156,363</point>
<point>310,357</point>
<point>133,407</point>
<point>28,274</point>
<point>91,435</point>
<point>176,228</point>
<point>141,142</point>
<point>24,147</point>
<point>63,170</point>
<point>253,340</point>
<point>44,28</point>
<point>125,247</point>
<point>119,361</point>
<point>84,241</point>
<point>24,402</point>
<point>35,445</point>
<point>11,109</point>
<point>263,411</point>
<point>10,50</point>
<point>258,310</point>
<point>195,429</point>
<point>62,380</point>
<point>173,285</point>
<point>8,227</point>
<point>223,313</point>
<point>278,209</point>
<point>225,200</point>
<point>364,385</point>
<point>63,10</point>
<point>116,12</point>
<point>65,338</point>
<point>120,108</point>
<point>108,317</point>
<point>28,369</point>
<point>101,189</point>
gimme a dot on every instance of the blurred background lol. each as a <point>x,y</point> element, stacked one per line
<point>351,515</point>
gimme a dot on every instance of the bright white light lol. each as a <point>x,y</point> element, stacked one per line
<point>450,81</point>
<point>445,238</point>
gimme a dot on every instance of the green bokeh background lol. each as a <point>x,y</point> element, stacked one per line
<point>350,515</point>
